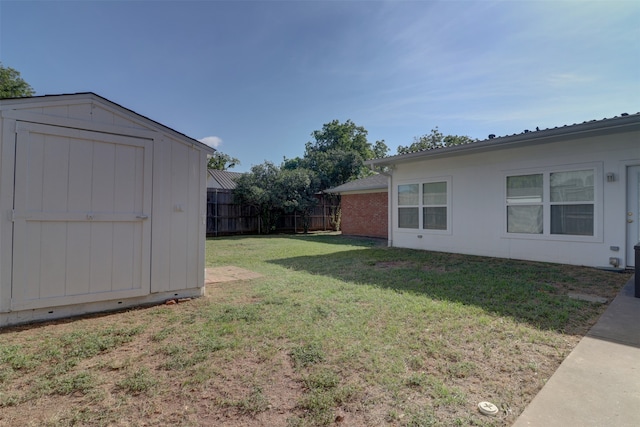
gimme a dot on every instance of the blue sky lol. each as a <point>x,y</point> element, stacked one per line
<point>256,78</point>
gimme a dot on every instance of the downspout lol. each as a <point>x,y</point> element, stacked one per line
<point>389,175</point>
<point>389,210</point>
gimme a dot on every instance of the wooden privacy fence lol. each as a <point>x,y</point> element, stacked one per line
<point>224,217</point>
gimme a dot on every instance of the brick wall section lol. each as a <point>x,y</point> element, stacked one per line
<point>365,214</point>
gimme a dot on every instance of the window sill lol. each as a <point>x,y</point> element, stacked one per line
<point>553,237</point>
<point>417,231</point>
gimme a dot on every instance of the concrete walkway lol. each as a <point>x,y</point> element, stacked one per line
<point>598,384</point>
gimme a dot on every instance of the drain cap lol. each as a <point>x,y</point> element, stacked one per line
<point>488,408</point>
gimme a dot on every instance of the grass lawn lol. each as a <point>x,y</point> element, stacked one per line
<point>337,331</point>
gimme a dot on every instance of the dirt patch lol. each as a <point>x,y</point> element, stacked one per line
<point>251,392</point>
<point>228,273</point>
<point>393,264</point>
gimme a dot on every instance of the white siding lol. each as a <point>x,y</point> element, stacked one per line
<point>179,204</point>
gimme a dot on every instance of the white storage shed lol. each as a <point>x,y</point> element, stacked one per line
<point>100,208</point>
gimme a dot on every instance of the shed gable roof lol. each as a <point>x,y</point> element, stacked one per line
<point>45,101</point>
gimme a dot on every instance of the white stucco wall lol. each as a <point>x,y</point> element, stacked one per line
<point>478,200</point>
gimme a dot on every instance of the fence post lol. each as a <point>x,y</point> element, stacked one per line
<point>324,213</point>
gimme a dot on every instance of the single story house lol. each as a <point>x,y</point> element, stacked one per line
<point>101,208</point>
<point>364,206</point>
<point>566,195</point>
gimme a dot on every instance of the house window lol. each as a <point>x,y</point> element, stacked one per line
<point>557,203</point>
<point>408,206</point>
<point>524,204</point>
<point>423,206</point>
<point>572,200</point>
<point>434,210</point>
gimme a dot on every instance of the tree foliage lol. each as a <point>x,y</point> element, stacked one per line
<point>337,153</point>
<point>435,139</point>
<point>335,156</point>
<point>300,187</point>
<point>12,85</point>
<point>222,161</point>
<point>274,191</point>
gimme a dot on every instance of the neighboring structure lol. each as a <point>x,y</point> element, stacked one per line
<point>223,181</point>
<point>364,206</point>
<point>224,216</point>
<point>101,208</point>
<point>567,195</point>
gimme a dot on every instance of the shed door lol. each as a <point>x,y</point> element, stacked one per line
<point>82,227</point>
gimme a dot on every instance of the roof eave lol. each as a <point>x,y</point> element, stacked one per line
<point>337,190</point>
<point>616,124</point>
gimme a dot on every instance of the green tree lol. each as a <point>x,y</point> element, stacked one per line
<point>337,153</point>
<point>274,191</point>
<point>299,188</point>
<point>12,85</point>
<point>380,149</point>
<point>222,161</point>
<point>434,140</point>
<point>340,136</point>
<point>257,189</point>
<point>335,156</point>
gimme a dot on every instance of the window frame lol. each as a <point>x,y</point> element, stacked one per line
<point>412,206</point>
<point>422,205</point>
<point>546,172</point>
<point>524,203</point>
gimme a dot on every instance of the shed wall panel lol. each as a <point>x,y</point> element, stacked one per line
<point>178,253</point>
<point>179,227</point>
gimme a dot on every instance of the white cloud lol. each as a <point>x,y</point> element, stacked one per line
<point>564,79</point>
<point>211,141</point>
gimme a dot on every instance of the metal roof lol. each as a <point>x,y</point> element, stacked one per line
<point>223,180</point>
<point>624,122</point>
<point>374,182</point>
